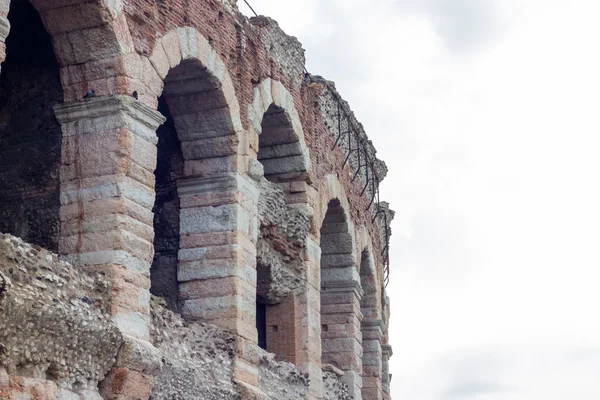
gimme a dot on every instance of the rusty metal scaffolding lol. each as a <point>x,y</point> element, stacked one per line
<point>366,162</point>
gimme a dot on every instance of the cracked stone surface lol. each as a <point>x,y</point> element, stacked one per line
<point>281,245</point>
<point>285,51</point>
<point>196,358</point>
<point>334,388</point>
<point>54,322</point>
<point>281,380</point>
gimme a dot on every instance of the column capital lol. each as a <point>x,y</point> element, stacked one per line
<point>102,106</point>
<point>373,325</point>
<point>344,286</point>
<point>215,183</point>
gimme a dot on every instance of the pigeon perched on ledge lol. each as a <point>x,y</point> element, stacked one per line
<point>90,93</point>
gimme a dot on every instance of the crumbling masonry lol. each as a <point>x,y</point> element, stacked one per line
<point>187,214</point>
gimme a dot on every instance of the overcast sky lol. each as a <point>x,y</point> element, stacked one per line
<point>487,114</point>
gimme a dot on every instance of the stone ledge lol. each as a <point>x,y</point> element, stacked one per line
<point>374,325</point>
<point>344,286</point>
<point>108,106</point>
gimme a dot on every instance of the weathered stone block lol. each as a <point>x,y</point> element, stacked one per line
<point>284,164</point>
<point>214,269</point>
<point>350,345</point>
<point>211,166</point>
<point>133,323</point>
<point>209,148</point>
<point>345,274</point>
<point>214,219</point>
<point>336,243</point>
<point>138,355</point>
<point>229,286</point>
<point>279,151</point>
<point>203,125</point>
<point>80,16</point>
<point>126,384</point>
<point>337,260</point>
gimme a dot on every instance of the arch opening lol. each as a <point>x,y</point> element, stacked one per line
<point>193,219</point>
<point>169,169</point>
<point>341,340</point>
<point>280,150</point>
<point>282,235</point>
<point>30,135</point>
<point>372,329</point>
<point>370,302</point>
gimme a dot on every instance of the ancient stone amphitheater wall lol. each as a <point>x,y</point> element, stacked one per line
<point>202,212</point>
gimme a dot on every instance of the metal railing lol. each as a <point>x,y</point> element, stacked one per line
<point>365,161</point>
<point>356,144</point>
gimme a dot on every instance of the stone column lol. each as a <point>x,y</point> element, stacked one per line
<point>386,376</point>
<point>372,333</point>
<point>217,261</point>
<point>217,256</point>
<point>107,194</point>
<point>4,28</point>
<point>341,329</point>
<point>309,315</point>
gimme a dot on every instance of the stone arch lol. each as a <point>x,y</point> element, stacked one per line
<point>217,230</point>
<point>341,341</point>
<point>371,300</point>
<point>184,47</point>
<point>91,40</point>
<point>281,148</point>
<point>331,188</point>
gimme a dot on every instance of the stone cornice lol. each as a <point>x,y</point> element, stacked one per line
<point>344,286</point>
<point>373,325</point>
<point>197,185</point>
<point>96,107</point>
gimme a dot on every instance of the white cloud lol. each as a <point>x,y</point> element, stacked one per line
<point>493,157</point>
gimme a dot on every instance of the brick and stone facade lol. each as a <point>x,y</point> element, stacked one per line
<point>190,177</point>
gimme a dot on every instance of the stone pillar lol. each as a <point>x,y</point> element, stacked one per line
<point>386,376</point>
<point>309,315</point>
<point>217,262</point>
<point>372,362</point>
<point>107,193</point>
<point>217,256</point>
<point>4,28</point>
<point>341,328</point>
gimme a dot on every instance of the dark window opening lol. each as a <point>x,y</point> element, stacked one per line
<point>169,169</point>
<point>30,135</point>
<point>261,323</point>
